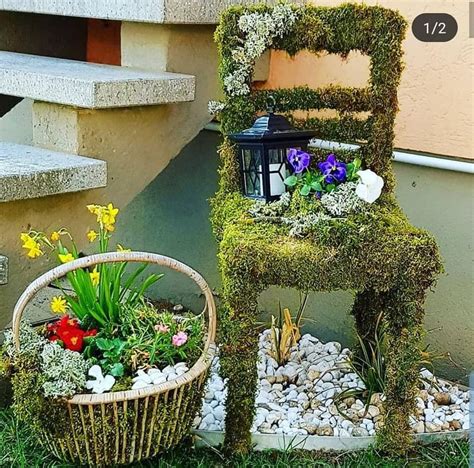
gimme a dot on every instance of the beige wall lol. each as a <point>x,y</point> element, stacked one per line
<point>436,92</point>
<point>137,143</point>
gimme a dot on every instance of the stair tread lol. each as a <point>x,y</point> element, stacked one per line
<point>89,85</point>
<point>30,172</point>
<point>150,11</point>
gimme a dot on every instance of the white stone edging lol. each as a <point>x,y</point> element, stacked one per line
<point>313,442</point>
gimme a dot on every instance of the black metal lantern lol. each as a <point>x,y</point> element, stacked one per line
<point>263,151</point>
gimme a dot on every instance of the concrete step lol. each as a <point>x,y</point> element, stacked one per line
<point>3,270</point>
<point>89,85</point>
<point>148,11</point>
<point>30,172</point>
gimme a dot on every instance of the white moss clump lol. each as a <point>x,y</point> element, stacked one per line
<point>276,208</point>
<point>260,30</point>
<point>215,107</point>
<point>301,225</point>
<point>343,201</point>
<point>31,343</point>
<point>64,370</point>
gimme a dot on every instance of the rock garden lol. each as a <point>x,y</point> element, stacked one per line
<point>305,396</point>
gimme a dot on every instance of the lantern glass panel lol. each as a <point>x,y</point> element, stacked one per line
<point>252,170</point>
<point>278,170</point>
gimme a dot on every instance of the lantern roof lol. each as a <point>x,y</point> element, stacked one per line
<point>272,127</point>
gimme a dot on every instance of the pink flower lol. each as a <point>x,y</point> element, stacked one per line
<point>162,328</point>
<point>179,339</point>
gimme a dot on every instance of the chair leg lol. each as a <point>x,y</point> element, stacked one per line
<point>367,307</point>
<point>404,318</point>
<point>239,354</point>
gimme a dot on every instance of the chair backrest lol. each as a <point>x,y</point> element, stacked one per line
<point>374,31</point>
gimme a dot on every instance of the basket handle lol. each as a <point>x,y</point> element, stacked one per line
<point>111,257</point>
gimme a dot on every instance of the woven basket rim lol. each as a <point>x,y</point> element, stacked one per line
<point>201,365</point>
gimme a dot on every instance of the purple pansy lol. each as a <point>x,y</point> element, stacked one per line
<point>334,172</point>
<point>299,160</point>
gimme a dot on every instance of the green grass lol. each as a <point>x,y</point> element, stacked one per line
<point>18,448</point>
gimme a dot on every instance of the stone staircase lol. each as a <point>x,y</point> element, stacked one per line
<point>103,132</point>
<point>29,172</point>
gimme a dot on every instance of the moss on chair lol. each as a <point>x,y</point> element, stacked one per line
<point>378,254</point>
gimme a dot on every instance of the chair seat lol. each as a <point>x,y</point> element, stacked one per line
<point>365,251</point>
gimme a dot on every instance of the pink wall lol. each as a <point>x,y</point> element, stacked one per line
<point>436,92</point>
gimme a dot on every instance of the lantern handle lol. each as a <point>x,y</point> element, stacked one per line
<point>271,104</point>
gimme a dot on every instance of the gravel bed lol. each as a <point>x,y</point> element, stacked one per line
<point>300,397</point>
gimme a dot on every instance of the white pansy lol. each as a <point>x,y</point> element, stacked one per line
<point>100,384</point>
<point>370,186</point>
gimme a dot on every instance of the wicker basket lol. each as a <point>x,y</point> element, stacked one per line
<point>127,426</point>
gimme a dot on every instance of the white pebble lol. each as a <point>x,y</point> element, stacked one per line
<point>158,378</point>
<point>140,384</point>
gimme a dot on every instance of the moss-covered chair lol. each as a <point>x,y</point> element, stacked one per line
<point>385,261</point>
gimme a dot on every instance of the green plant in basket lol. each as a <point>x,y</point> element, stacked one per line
<point>160,338</point>
<point>100,293</point>
<point>147,338</point>
<point>112,350</point>
<point>107,339</point>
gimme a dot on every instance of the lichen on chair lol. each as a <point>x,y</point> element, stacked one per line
<point>377,253</point>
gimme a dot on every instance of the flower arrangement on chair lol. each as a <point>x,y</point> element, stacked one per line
<point>330,175</point>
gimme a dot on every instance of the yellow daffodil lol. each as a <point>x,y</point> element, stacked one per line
<point>106,215</point>
<point>58,305</point>
<point>93,208</point>
<point>65,258</point>
<point>35,251</point>
<point>30,244</point>
<point>109,214</point>
<point>121,248</point>
<point>92,235</point>
<point>95,277</point>
<point>27,240</point>
<point>98,211</point>
<point>55,236</point>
